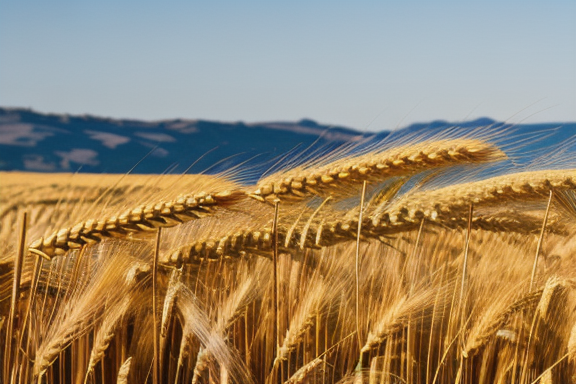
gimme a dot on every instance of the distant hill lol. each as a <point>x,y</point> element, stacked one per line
<point>32,141</point>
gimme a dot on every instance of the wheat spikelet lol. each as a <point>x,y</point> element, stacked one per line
<point>144,218</point>
<point>408,160</point>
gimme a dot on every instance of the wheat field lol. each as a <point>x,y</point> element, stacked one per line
<point>415,261</point>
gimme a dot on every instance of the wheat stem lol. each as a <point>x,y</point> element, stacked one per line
<point>275,275</point>
<point>156,363</point>
<point>464,270</point>
<point>539,246</point>
<point>11,331</point>
<point>357,264</point>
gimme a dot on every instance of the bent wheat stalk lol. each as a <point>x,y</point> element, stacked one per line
<point>78,315</point>
<point>107,331</point>
<point>310,305</point>
<point>228,312</point>
<point>453,201</point>
<point>334,177</point>
<point>124,371</point>
<point>397,316</point>
<point>144,218</point>
<point>326,234</point>
<point>494,318</point>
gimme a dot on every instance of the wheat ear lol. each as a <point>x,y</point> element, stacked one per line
<point>174,285</point>
<point>316,297</point>
<point>496,317</point>
<point>79,315</point>
<point>332,178</point>
<point>124,371</point>
<point>453,201</point>
<point>572,344</point>
<point>228,312</point>
<point>397,315</point>
<point>196,324</point>
<point>325,234</point>
<point>554,288</point>
<point>306,370</point>
<point>235,245</point>
<point>107,331</point>
<point>144,218</point>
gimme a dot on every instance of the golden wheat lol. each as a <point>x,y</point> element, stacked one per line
<point>144,218</point>
<point>453,201</point>
<point>334,177</point>
<point>373,292</point>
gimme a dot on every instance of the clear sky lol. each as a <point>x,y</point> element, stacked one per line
<point>364,64</point>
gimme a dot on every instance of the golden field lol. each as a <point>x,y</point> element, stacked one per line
<point>387,266</point>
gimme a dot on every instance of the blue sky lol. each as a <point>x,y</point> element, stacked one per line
<point>365,64</point>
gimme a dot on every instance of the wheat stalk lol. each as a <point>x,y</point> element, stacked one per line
<point>107,331</point>
<point>494,318</point>
<point>78,316</point>
<point>144,218</point>
<point>333,178</point>
<point>397,316</point>
<point>452,201</point>
<point>228,313</point>
<point>124,371</point>
<point>306,370</point>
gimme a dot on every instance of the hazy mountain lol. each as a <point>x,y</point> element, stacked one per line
<point>31,141</point>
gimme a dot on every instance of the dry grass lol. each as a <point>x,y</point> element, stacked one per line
<point>403,299</point>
